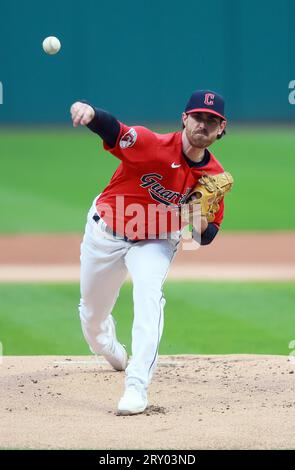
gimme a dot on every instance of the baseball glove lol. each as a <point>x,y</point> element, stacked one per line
<point>208,192</point>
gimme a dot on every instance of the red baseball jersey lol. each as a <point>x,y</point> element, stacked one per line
<point>151,182</point>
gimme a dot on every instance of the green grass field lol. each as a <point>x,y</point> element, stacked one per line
<point>48,178</point>
<point>200,318</point>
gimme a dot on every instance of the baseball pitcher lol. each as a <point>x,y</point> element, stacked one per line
<point>135,225</point>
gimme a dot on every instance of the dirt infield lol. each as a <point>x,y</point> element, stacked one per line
<point>196,402</point>
<point>232,256</point>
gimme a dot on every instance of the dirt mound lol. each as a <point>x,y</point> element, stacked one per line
<point>196,402</point>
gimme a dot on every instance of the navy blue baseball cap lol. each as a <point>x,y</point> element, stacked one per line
<point>206,101</point>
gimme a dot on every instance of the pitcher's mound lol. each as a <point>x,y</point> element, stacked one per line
<point>196,402</point>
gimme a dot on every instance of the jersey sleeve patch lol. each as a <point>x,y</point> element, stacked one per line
<point>135,145</point>
<point>128,139</point>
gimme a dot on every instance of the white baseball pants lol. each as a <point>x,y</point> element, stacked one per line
<point>105,262</point>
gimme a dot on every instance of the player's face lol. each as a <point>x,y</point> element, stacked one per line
<point>202,129</point>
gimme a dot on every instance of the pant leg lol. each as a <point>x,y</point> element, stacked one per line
<point>102,273</point>
<point>148,263</point>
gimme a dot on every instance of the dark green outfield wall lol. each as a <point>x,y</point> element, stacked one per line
<point>141,59</point>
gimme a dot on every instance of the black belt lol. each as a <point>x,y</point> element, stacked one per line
<point>96,218</point>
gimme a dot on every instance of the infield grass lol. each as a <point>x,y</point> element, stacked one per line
<point>200,318</point>
<point>49,178</point>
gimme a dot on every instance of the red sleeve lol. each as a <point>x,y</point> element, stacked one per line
<point>134,144</point>
<point>219,214</point>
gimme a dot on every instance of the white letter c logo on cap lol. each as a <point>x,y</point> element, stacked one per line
<point>209,99</point>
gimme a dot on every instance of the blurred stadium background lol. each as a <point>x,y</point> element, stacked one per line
<point>141,61</point>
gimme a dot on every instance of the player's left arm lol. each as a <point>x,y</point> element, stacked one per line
<point>210,230</point>
<point>209,234</point>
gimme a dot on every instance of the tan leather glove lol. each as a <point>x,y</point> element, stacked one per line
<point>208,192</point>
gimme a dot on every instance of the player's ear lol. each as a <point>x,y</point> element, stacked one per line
<point>222,127</point>
<point>183,119</point>
<point>221,131</point>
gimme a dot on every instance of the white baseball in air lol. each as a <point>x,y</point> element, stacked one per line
<point>51,45</point>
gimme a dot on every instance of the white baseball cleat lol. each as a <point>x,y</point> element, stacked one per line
<point>115,353</point>
<point>133,401</point>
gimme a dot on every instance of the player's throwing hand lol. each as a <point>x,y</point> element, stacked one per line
<point>82,114</point>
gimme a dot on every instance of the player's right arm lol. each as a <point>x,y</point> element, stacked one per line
<point>97,120</point>
<point>82,113</point>
<point>131,145</point>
